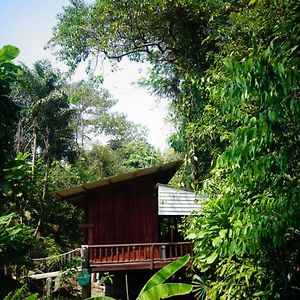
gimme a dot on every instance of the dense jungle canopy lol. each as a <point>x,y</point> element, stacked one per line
<point>230,71</point>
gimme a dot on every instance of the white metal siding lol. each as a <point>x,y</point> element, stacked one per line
<point>177,202</point>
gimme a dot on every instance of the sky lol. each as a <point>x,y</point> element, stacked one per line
<point>28,24</point>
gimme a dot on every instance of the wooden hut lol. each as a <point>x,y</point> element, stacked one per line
<point>122,219</point>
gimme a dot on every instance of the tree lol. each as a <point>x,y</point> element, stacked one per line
<point>91,104</point>
<point>94,164</point>
<point>247,238</point>
<point>127,147</point>
<point>44,125</point>
<point>139,154</point>
<point>45,122</point>
<point>180,40</point>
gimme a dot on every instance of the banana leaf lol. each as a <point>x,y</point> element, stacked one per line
<point>165,290</point>
<point>166,272</point>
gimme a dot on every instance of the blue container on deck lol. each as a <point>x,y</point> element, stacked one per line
<point>84,278</point>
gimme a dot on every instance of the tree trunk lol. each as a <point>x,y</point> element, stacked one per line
<point>33,150</point>
<point>18,138</point>
<point>45,184</point>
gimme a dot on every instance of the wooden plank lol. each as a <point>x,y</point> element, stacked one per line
<point>126,266</point>
<point>110,210</point>
<point>141,265</point>
<point>44,275</point>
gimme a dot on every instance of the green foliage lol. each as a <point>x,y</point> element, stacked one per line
<point>68,275</point>
<point>155,288</point>
<point>139,29</point>
<point>8,109</point>
<point>200,287</point>
<point>102,161</point>
<point>16,241</point>
<point>91,104</point>
<point>166,290</point>
<point>127,143</point>
<point>163,274</point>
<point>8,53</point>
<point>138,154</point>
<point>44,125</point>
<point>247,238</point>
<point>21,294</point>
<point>21,193</point>
<point>60,224</point>
<point>16,188</point>
<point>106,277</point>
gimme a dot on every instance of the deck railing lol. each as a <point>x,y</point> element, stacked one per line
<point>147,253</point>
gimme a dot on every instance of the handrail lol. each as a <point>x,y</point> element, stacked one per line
<point>137,253</point>
<point>139,244</point>
<point>42,259</point>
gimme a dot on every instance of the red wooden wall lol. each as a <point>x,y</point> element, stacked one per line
<point>124,212</point>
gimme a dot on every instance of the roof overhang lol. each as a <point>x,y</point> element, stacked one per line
<point>77,194</point>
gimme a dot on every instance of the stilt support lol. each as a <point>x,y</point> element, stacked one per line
<point>86,290</point>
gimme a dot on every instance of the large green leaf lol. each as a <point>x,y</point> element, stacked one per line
<point>6,219</point>
<point>166,290</point>
<point>166,272</point>
<point>21,294</point>
<point>8,53</point>
<point>200,287</point>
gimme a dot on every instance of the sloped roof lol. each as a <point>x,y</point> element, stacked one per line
<point>77,193</point>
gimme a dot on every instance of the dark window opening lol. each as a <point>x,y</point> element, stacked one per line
<point>169,229</point>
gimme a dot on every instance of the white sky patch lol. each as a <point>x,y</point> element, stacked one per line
<point>140,106</point>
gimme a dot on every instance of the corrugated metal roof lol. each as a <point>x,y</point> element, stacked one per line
<point>177,202</point>
<point>77,192</point>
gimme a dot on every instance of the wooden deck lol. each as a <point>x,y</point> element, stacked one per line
<point>135,256</point>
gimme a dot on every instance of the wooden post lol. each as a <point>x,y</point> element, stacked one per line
<point>48,286</point>
<point>86,290</point>
<point>163,252</point>
<point>126,285</point>
<point>152,257</point>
